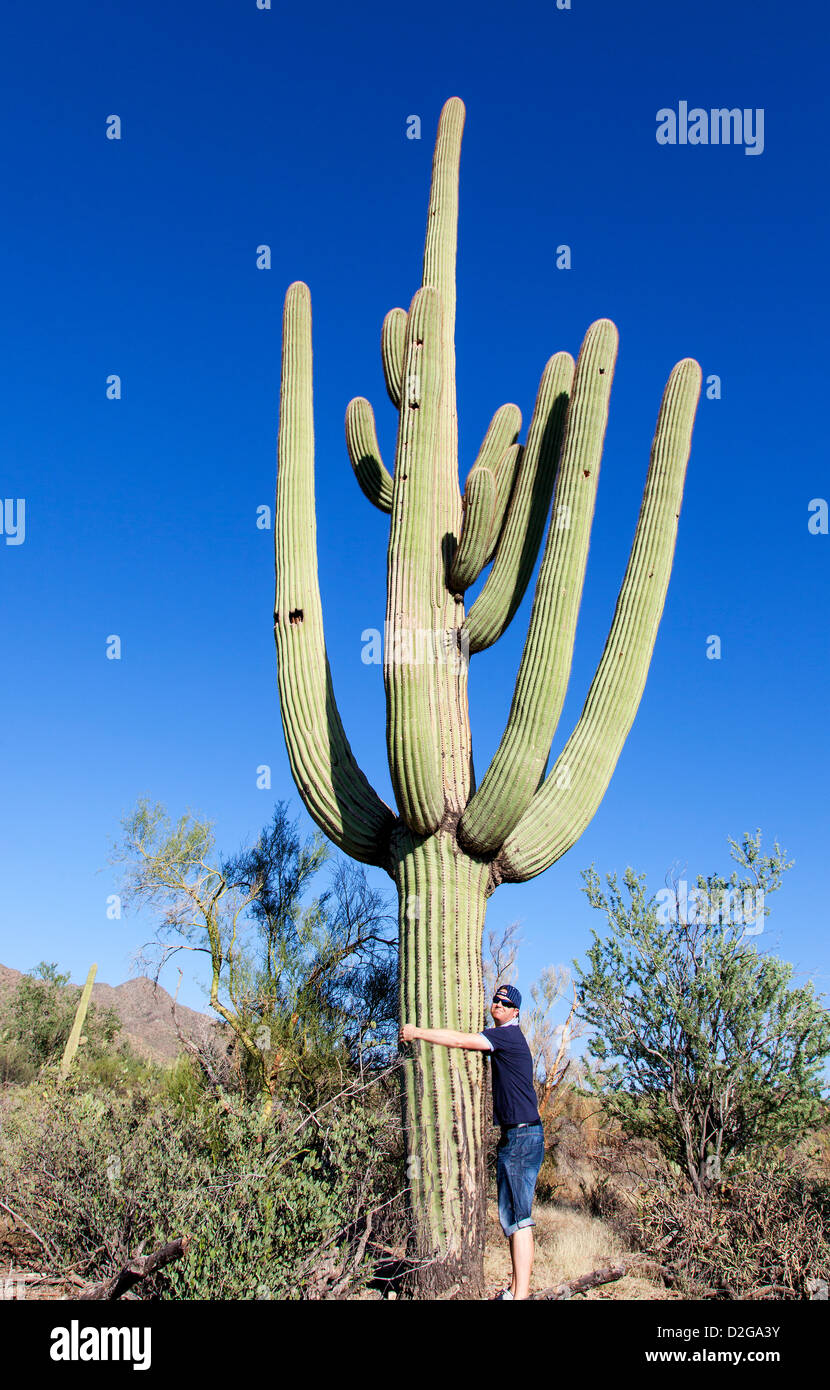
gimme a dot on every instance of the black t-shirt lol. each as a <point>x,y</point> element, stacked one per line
<point>514,1097</point>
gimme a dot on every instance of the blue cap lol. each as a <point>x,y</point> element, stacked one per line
<point>509,993</point>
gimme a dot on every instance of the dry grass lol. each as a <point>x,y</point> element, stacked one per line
<point>568,1243</point>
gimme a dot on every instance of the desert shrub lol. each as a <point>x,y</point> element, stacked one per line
<point>548,1184</point>
<point>183,1083</point>
<point>764,1233</point>
<point>119,1070</point>
<point>16,1065</point>
<point>98,1174</point>
<point>574,1136</point>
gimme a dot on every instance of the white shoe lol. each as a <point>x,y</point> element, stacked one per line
<point>505,1293</point>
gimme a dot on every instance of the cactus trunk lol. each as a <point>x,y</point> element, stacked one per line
<point>441,893</point>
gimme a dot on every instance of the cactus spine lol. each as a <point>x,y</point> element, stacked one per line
<point>448,845</point>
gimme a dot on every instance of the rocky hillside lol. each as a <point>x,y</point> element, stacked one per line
<point>145,1011</point>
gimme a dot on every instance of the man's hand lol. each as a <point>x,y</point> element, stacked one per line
<point>408,1032</point>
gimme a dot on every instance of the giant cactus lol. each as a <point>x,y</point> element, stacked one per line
<point>449,844</point>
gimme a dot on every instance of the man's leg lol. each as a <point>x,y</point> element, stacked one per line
<point>521,1254</point>
<point>529,1153</point>
<point>505,1192</point>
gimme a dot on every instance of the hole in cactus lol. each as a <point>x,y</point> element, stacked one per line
<point>295,616</point>
<point>586,472</point>
<point>602,371</point>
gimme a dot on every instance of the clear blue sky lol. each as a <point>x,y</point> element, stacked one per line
<point>137,257</point>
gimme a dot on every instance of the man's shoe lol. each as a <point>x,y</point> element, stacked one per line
<point>505,1293</point>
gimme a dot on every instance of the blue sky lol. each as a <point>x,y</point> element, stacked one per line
<point>287,127</point>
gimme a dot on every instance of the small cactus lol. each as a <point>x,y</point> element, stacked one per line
<point>80,1018</point>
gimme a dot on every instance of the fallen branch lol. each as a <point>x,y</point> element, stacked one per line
<point>585,1281</point>
<point>139,1267</point>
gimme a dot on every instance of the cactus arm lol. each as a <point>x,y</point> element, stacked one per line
<point>416,590</point>
<point>519,761</point>
<point>521,534</point>
<point>440,252</point>
<point>569,798</point>
<point>452,717</point>
<point>335,791</point>
<point>507,472</point>
<point>502,431</point>
<point>479,517</point>
<point>392,335</point>
<point>364,452</point>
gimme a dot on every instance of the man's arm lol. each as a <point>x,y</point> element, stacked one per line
<point>447,1037</point>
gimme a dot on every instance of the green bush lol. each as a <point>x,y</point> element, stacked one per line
<point>271,1215</point>
<point>119,1070</point>
<point>184,1084</point>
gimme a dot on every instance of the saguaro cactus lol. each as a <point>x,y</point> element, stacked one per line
<point>77,1027</point>
<point>448,844</point>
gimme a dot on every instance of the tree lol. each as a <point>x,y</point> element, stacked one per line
<point>41,1013</point>
<point>327,973</point>
<point>299,986</point>
<point>448,845</point>
<point>549,1041</point>
<point>704,1047</point>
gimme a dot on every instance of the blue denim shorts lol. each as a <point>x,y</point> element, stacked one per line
<point>520,1153</point>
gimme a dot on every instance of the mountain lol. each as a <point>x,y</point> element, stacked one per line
<point>145,1011</point>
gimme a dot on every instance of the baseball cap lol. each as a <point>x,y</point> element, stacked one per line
<point>509,993</point>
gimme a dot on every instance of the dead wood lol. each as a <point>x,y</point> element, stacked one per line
<point>139,1267</point>
<point>585,1281</point>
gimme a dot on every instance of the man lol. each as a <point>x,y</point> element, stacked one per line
<point>522,1144</point>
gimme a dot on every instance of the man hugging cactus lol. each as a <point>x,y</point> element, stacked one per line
<point>522,1145</point>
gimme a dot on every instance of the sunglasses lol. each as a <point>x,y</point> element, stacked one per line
<point>505,1003</point>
